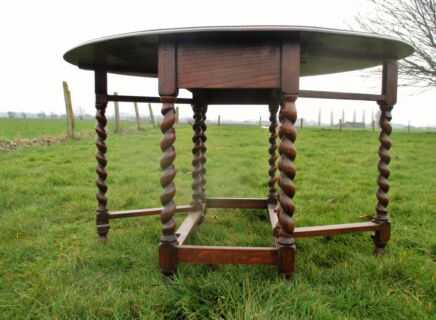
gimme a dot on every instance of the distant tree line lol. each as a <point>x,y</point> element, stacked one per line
<point>79,115</point>
<point>38,115</point>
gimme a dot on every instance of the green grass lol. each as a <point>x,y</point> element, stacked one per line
<point>51,265</point>
<point>13,129</point>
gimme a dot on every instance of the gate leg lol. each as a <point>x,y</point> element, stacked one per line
<point>389,89</point>
<point>288,134</point>
<point>102,212</point>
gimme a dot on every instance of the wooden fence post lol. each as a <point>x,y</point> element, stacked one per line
<point>68,110</point>
<point>150,110</point>
<point>373,125</point>
<point>138,119</point>
<point>260,121</point>
<point>301,123</point>
<point>219,121</point>
<point>117,115</point>
<point>340,124</point>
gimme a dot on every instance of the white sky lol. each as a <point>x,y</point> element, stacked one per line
<point>35,35</point>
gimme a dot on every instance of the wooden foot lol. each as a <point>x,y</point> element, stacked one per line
<point>381,238</point>
<point>286,260</point>
<point>167,259</point>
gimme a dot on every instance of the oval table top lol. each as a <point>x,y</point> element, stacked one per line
<point>323,51</point>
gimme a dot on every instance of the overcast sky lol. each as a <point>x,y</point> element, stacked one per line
<point>36,34</point>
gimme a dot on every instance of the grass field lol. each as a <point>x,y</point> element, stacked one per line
<point>13,129</point>
<point>51,266</point>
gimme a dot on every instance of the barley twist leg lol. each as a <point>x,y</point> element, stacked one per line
<point>382,236</point>
<point>102,212</point>
<point>203,150</point>
<point>287,151</point>
<point>272,196</point>
<point>197,160</point>
<point>168,240</point>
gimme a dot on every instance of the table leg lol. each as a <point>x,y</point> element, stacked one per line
<point>382,236</point>
<point>389,89</point>
<point>203,151</point>
<point>102,212</point>
<point>287,151</point>
<point>197,160</point>
<point>273,107</point>
<point>168,240</point>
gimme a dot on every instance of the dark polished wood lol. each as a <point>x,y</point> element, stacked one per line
<point>325,50</point>
<point>285,211</point>
<point>390,81</point>
<point>290,75</point>
<point>168,92</point>
<point>168,240</point>
<point>327,230</point>
<point>186,228</point>
<point>333,229</point>
<point>102,212</point>
<point>239,65</point>
<point>167,70</point>
<point>237,203</point>
<point>340,95</point>
<point>272,212</point>
<point>203,149</point>
<point>248,96</point>
<point>290,67</point>
<point>226,255</point>
<point>257,63</point>
<point>389,89</point>
<point>383,164</point>
<point>273,107</point>
<point>144,212</point>
<point>144,99</point>
<point>197,161</point>
<point>263,96</point>
<point>237,96</point>
<point>381,238</point>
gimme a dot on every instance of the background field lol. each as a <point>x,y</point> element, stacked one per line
<point>51,265</point>
<point>13,129</point>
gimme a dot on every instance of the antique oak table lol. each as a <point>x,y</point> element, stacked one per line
<point>239,65</point>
